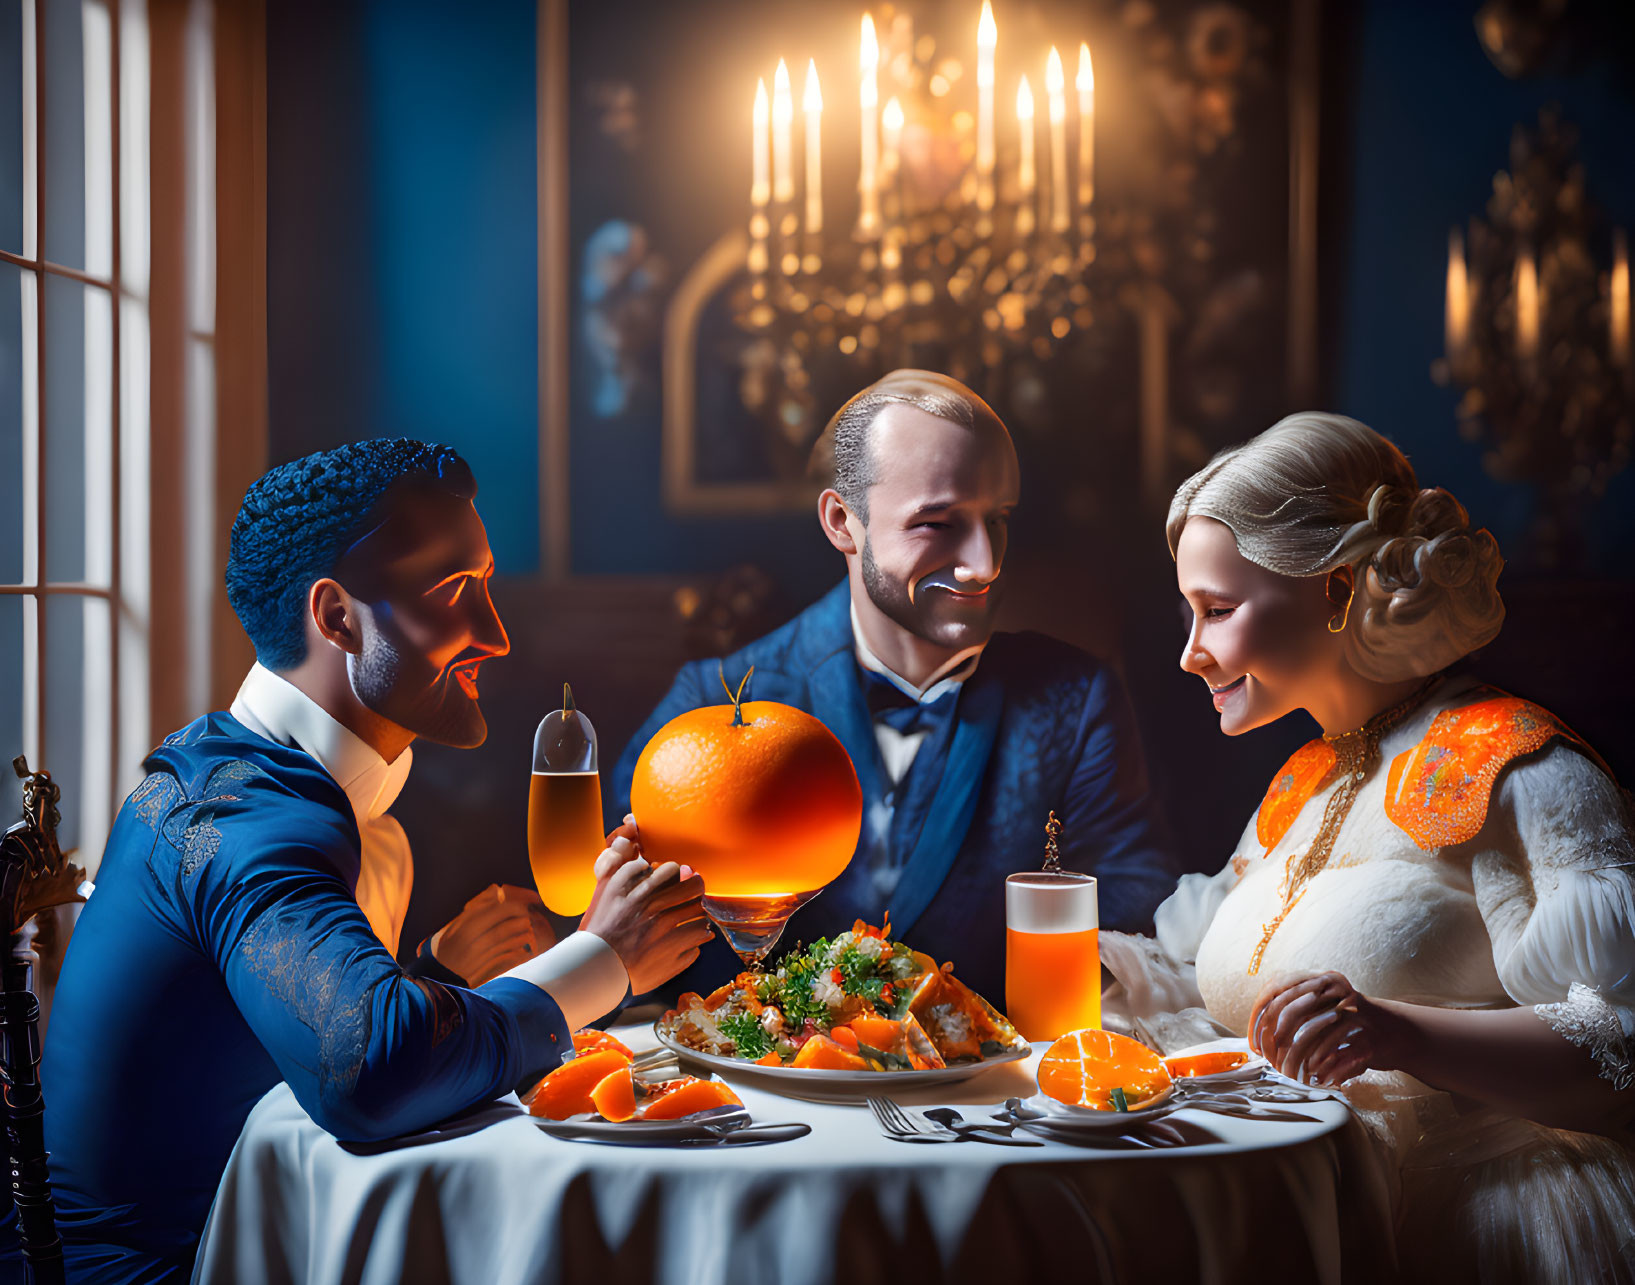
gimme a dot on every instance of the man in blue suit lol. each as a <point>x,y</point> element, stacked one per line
<point>964,739</point>
<point>254,883</point>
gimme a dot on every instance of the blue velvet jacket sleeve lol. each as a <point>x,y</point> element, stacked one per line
<point>369,1051</point>
<point>1109,824</point>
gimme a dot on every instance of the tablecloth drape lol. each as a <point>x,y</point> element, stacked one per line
<point>490,1199</point>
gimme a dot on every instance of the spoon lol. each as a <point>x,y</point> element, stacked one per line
<point>951,1119</point>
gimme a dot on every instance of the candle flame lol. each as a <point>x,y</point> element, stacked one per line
<point>1618,287</point>
<point>1456,309</point>
<point>760,102</point>
<point>1085,82</point>
<point>987,34</point>
<point>870,56</point>
<point>783,106</point>
<point>812,99</point>
<point>1527,306</point>
<point>1054,81</point>
<point>892,117</point>
<point>1024,101</point>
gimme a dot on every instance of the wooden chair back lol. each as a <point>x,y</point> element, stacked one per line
<point>34,874</point>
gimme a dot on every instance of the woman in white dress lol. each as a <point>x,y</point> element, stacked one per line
<point>1434,906</point>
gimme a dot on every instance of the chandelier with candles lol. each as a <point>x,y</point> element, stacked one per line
<point>1537,337</point>
<point>975,230</point>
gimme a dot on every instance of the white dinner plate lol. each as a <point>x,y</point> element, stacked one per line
<point>715,1120</point>
<point>1047,1113</point>
<point>832,1086</point>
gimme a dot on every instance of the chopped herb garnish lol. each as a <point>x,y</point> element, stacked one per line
<point>749,1038</point>
<point>1120,1102</point>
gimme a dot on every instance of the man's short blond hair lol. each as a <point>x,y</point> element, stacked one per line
<point>848,433</point>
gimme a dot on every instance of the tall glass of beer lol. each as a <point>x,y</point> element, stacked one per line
<point>565,809</point>
<point>1052,960</point>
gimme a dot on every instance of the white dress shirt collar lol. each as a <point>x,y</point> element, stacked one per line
<point>275,708</point>
<point>958,668</point>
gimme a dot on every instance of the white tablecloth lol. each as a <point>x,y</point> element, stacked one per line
<point>491,1200</point>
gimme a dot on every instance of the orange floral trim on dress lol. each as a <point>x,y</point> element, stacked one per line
<point>1291,789</point>
<point>1438,792</point>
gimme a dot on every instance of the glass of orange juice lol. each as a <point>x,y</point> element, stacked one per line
<point>565,809</point>
<point>1052,961</point>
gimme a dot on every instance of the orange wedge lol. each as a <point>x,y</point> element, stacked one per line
<point>566,1090</point>
<point>590,1040</point>
<point>615,1096</point>
<point>1084,1067</point>
<point>907,1039</point>
<point>822,1054</point>
<point>1204,1063</point>
<point>690,1097</point>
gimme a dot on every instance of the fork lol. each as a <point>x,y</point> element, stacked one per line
<point>907,1126</point>
<point>910,1126</point>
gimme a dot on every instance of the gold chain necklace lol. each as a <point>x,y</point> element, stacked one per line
<point>1354,755</point>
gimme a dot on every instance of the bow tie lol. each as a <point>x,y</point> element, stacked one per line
<point>891,705</point>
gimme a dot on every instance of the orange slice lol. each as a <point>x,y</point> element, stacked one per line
<point>566,1090</point>
<point>907,1039</point>
<point>690,1097</point>
<point>1084,1067</point>
<point>591,1040</point>
<point>846,1037</point>
<point>615,1096</point>
<point>822,1054</point>
<point>1205,1063</point>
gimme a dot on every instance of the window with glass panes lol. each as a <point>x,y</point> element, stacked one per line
<point>74,400</point>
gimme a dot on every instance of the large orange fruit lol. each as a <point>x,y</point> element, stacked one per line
<point>763,807</point>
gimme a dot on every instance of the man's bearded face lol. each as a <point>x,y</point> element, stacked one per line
<point>420,580</point>
<point>939,512</point>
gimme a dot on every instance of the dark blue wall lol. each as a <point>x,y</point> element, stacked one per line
<point>402,261</point>
<point>1430,124</point>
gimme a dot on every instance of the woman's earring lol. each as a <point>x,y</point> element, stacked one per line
<point>1345,616</point>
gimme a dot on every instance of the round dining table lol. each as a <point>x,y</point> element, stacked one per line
<point>491,1198</point>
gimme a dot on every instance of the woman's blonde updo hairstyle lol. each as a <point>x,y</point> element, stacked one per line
<point>1315,492</point>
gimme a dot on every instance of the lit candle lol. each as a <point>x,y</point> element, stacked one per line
<point>783,114</point>
<point>891,127</point>
<point>760,189</point>
<point>891,243</point>
<point>1025,176</point>
<point>1456,312</point>
<point>812,104</point>
<point>1527,307</point>
<point>868,217</point>
<point>987,36</point>
<point>1056,89</point>
<point>1085,83</point>
<point>760,186</point>
<point>1619,301</point>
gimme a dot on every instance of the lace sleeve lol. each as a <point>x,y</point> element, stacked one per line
<point>1606,1030</point>
<point>1554,878</point>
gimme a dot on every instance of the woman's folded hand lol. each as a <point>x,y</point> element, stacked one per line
<point>1320,1029</point>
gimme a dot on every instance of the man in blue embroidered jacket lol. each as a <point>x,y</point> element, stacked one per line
<point>963,739</point>
<point>226,949</point>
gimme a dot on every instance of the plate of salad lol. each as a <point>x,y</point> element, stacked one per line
<point>831,1018</point>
